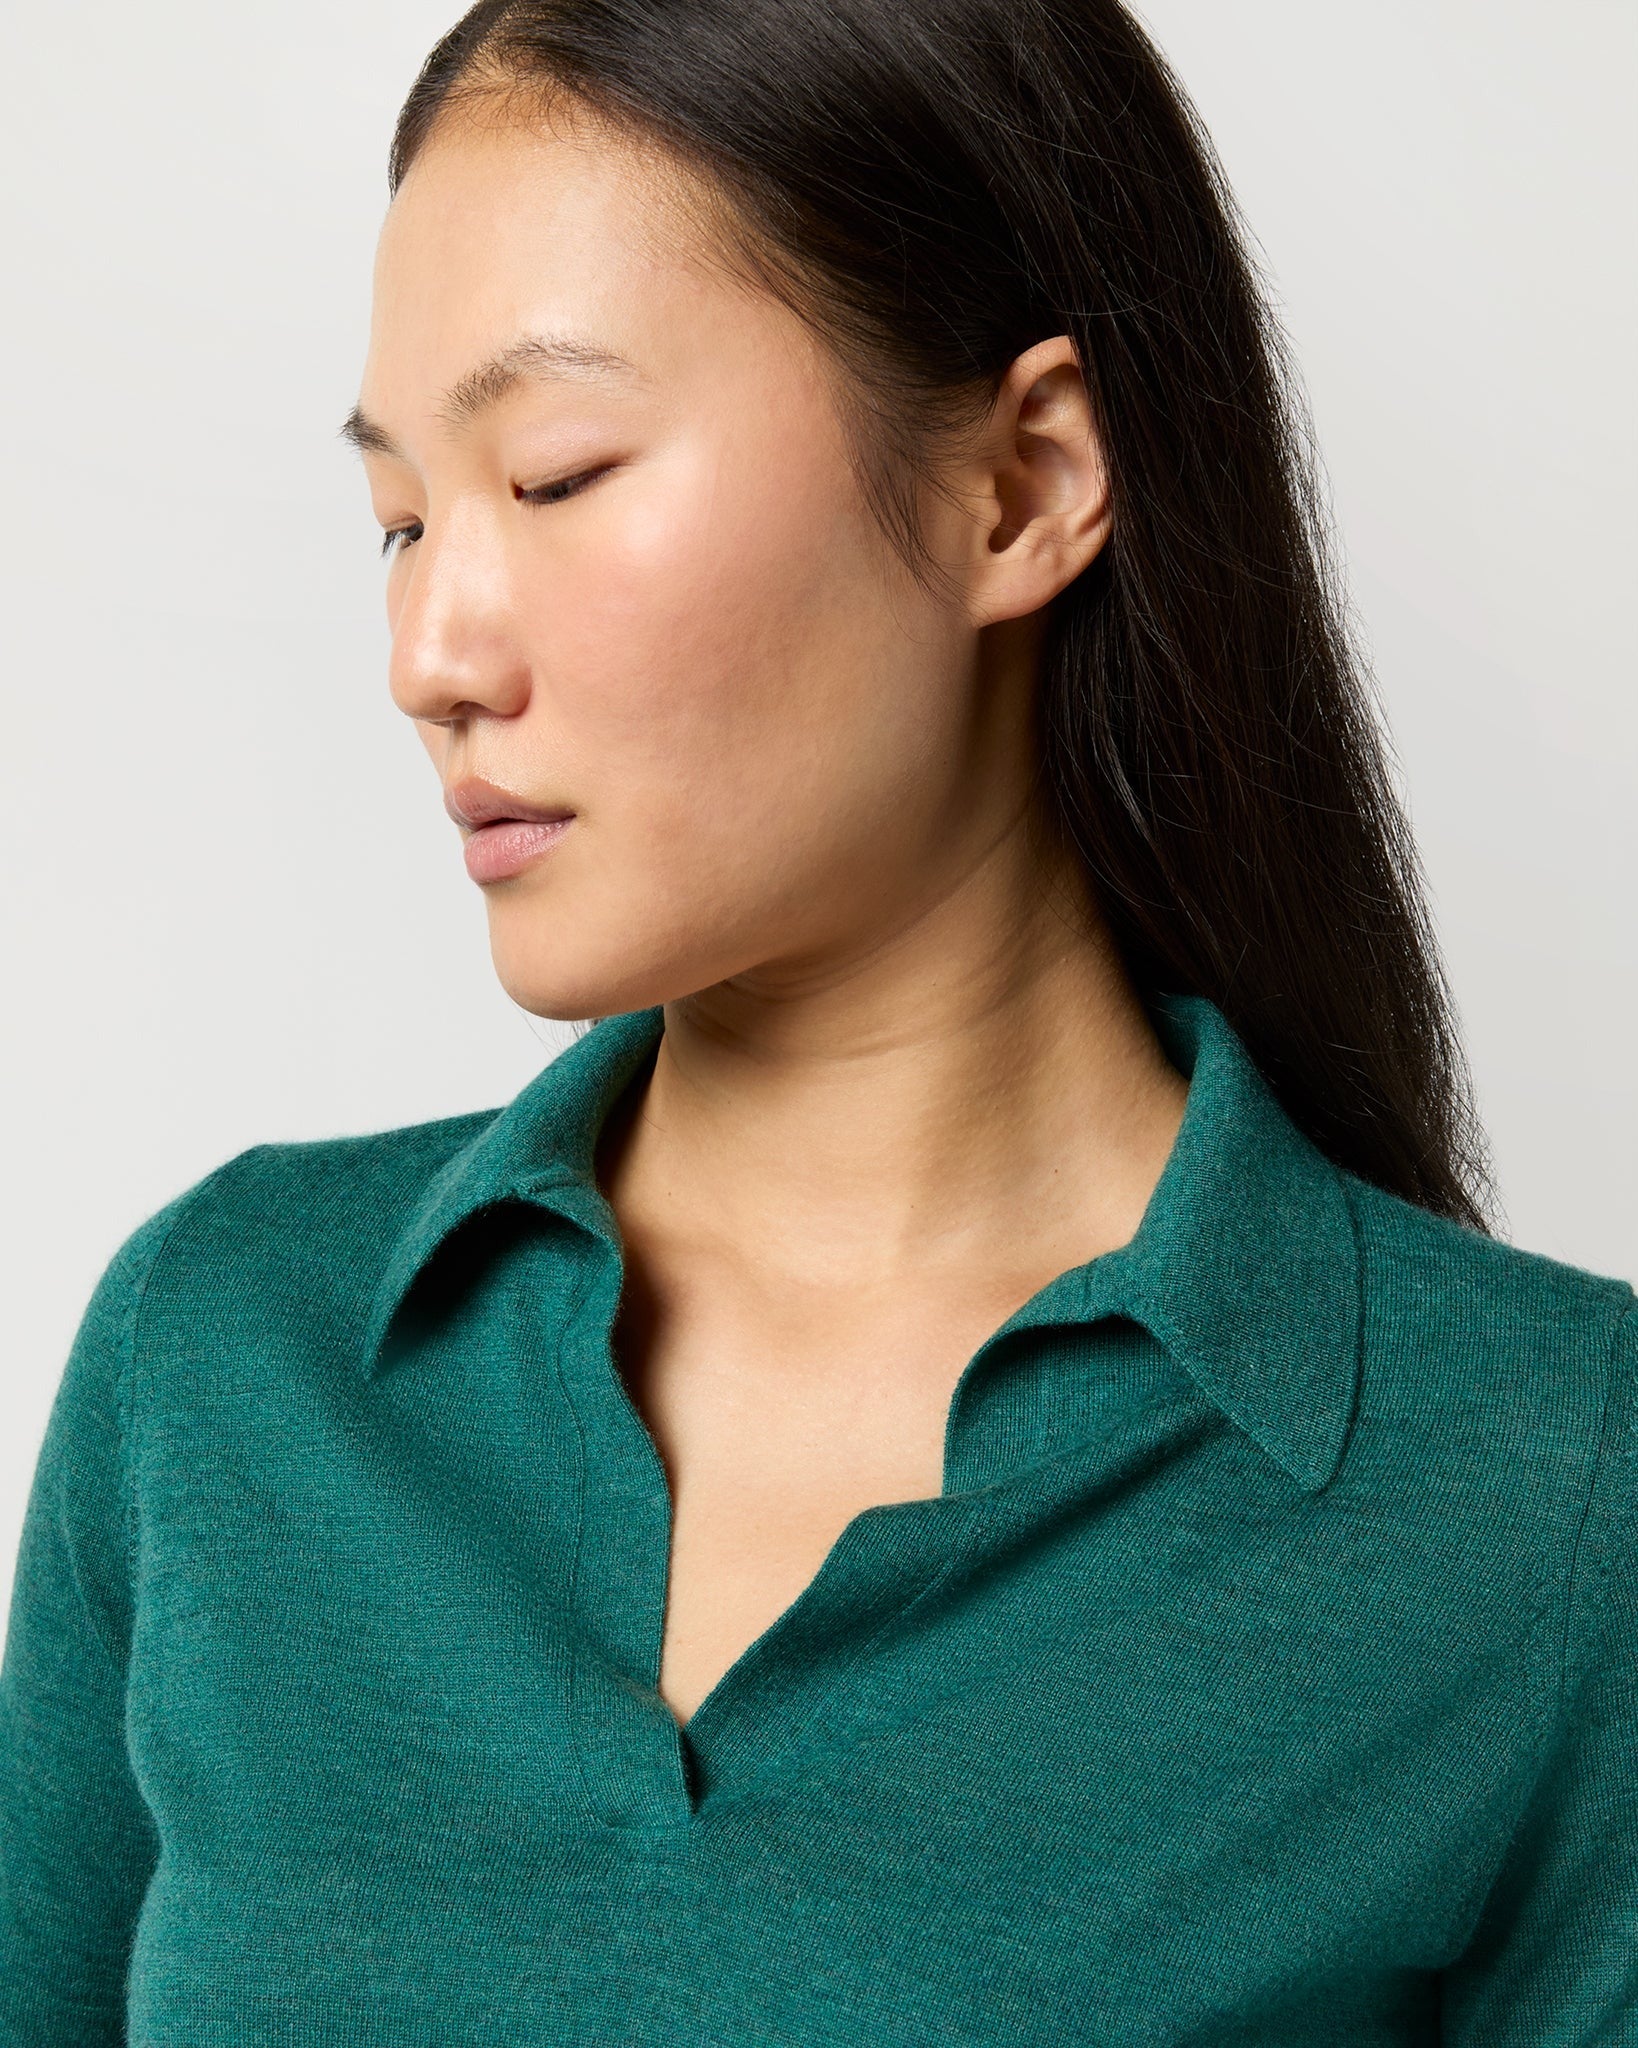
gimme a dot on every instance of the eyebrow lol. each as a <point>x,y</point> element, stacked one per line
<point>532,358</point>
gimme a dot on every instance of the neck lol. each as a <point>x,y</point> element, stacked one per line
<point>983,1093</point>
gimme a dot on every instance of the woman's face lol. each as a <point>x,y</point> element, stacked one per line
<point>653,596</point>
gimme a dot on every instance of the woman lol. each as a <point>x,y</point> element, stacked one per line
<point>964,1465</point>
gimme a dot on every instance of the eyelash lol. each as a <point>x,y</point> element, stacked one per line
<point>393,541</point>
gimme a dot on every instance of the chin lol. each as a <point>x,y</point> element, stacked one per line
<point>540,979</point>
<point>567,965</point>
<point>559,1001</point>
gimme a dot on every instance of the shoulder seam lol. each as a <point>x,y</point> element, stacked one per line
<point>1602,1514</point>
<point>1550,1699</point>
<point>130,1364</point>
<point>1362,1311</point>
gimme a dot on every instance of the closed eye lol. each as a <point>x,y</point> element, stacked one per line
<point>397,538</point>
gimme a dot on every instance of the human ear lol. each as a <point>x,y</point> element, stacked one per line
<point>1038,485</point>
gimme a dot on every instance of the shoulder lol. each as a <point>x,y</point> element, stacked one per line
<point>309,1220</point>
<point>308,1183</point>
<point>1499,1368</point>
<point>1496,1422</point>
<point>1443,1285</point>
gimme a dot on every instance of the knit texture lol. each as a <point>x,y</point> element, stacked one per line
<point>1262,1677</point>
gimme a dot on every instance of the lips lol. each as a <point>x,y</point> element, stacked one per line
<point>504,847</point>
<point>474,801</point>
<point>505,833</point>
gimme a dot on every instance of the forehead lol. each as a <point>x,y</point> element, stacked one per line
<point>522,252</point>
<point>541,177</point>
<point>503,228</point>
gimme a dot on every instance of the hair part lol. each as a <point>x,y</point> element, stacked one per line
<point>932,188</point>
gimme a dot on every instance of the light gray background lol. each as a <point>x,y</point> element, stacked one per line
<point>235,909</point>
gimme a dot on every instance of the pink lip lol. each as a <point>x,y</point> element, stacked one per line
<point>504,830</point>
<point>494,852</point>
<point>475,800</point>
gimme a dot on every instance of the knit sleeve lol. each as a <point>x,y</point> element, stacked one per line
<point>1554,1963</point>
<point>76,1841</point>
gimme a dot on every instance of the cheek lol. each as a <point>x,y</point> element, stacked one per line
<point>746,679</point>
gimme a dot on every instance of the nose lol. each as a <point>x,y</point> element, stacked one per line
<point>456,650</point>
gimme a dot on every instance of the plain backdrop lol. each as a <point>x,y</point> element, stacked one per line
<point>234,907</point>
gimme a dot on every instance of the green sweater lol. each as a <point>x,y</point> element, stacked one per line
<point>1264,1672</point>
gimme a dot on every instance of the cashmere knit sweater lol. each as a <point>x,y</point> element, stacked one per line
<point>1265,1671</point>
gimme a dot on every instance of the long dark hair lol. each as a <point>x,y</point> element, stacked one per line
<point>934,185</point>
